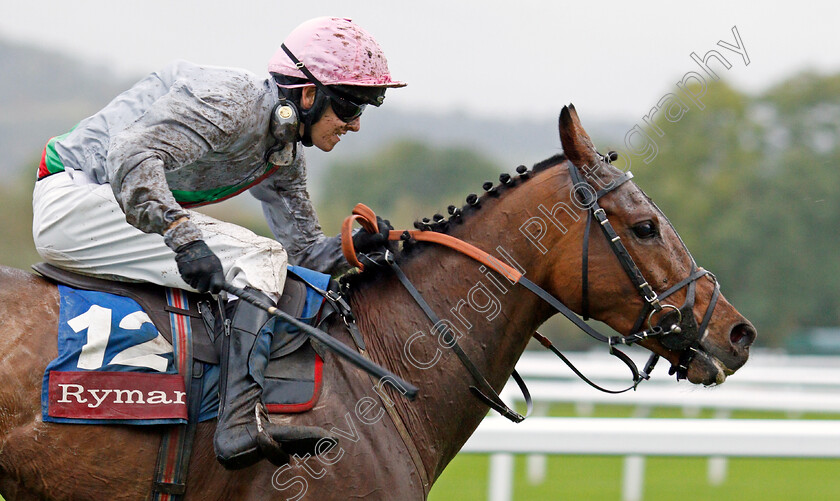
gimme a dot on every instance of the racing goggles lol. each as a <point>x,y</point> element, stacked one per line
<point>346,110</point>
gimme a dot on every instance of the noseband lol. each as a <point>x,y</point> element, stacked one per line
<point>677,329</point>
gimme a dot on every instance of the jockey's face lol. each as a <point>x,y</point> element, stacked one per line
<point>326,131</point>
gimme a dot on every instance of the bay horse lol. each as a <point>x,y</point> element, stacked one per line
<point>396,454</point>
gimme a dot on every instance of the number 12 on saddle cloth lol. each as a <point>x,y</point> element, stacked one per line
<point>113,365</point>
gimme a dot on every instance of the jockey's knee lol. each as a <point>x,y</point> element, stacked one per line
<point>261,265</point>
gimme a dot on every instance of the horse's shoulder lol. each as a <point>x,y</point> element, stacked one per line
<point>14,274</point>
<point>19,286</point>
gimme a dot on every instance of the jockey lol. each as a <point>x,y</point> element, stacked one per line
<point>113,195</point>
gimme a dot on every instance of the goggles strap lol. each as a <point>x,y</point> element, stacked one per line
<point>323,88</point>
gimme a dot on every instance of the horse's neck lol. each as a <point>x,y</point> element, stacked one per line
<point>496,319</point>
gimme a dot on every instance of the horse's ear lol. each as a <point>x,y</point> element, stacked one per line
<point>577,145</point>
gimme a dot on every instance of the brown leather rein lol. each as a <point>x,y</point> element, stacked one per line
<point>367,219</point>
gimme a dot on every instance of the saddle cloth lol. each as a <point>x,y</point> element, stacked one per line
<point>115,362</point>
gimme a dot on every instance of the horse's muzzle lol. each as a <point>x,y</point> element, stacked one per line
<point>714,362</point>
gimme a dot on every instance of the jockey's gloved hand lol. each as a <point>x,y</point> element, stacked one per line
<point>199,267</point>
<point>364,241</point>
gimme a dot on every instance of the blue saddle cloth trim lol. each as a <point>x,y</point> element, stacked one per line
<point>314,301</point>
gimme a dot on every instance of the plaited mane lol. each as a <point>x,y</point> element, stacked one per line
<point>457,216</point>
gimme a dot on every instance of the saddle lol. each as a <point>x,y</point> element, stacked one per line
<point>203,309</point>
<point>292,384</point>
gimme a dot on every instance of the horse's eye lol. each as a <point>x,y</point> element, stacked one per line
<point>645,229</point>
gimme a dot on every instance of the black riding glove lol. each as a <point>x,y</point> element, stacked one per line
<point>199,267</point>
<point>363,241</point>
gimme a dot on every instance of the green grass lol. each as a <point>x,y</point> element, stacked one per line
<point>594,478</point>
<point>599,478</point>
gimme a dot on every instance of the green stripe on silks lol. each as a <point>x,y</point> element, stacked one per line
<point>196,198</point>
<point>206,196</point>
<point>53,161</point>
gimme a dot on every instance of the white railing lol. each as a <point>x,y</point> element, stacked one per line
<point>763,368</point>
<point>793,385</point>
<point>659,437</point>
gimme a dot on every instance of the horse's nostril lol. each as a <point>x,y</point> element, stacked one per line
<point>742,335</point>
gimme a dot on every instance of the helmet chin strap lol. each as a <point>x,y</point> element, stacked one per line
<point>309,117</point>
<point>306,139</point>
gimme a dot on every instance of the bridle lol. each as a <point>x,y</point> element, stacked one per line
<point>676,330</point>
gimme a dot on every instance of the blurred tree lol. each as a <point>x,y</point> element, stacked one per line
<point>403,182</point>
<point>752,185</point>
<point>16,246</point>
<point>43,94</point>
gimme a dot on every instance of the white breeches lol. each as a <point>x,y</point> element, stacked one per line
<point>79,226</point>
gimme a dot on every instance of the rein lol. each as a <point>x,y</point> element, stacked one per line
<point>677,330</point>
<point>484,391</point>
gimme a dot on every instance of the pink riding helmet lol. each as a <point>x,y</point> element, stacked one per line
<point>337,52</point>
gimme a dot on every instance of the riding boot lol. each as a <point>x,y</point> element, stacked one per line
<point>244,434</point>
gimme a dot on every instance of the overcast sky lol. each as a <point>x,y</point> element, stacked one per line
<point>498,59</point>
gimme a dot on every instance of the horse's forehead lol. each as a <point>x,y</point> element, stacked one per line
<point>633,201</point>
<point>639,197</point>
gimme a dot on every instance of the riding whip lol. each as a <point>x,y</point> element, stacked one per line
<point>326,340</point>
